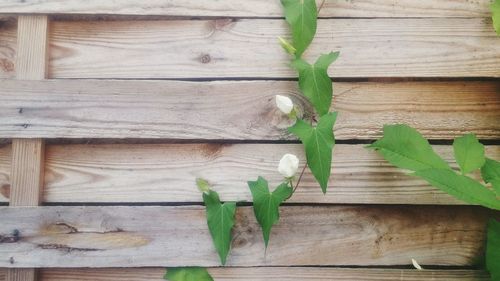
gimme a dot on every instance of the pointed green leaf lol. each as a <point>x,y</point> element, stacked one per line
<point>469,153</point>
<point>220,220</point>
<point>315,83</point>
<point>491,174</point>
<point>287,46</point>
<point>187,274</point>
<point>266,204</point>
<point>203,185</point>
<point>318,143</point>
<point>493,250</point>
<point>302,16</point>
<point>405,148</point>
<point>460,186</point>
<point>495,15</point>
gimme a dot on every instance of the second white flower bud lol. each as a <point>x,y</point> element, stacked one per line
<point>285,104</point>
<point>289,164</point>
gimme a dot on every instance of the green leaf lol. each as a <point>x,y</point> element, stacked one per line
<point>302,16</point>
<point>287,46</point>
<point>266,204</point>
<point>460,186</point>
<point>405,148</point>
<point>491,174</point>
<point>469,153</point>
<point>220,219</point>
<point>314,81</point>
<point>203,185</point>
<point>318,143</point>
<point>493,250</point>
<point>187,274</point>
<point>495,15</point>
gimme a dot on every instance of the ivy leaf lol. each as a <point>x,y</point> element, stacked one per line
<point>318,143</point>
<point>493,249</point>
<point>495,15</point>
<point>460,186</point>
<point>266,204</point>
<point>187,274</point>
<point>220,220</point>
<point>469,153</point>
<point>405,148</point>
<point>490,173</point>
<point>302,16</point>
<point>315,82</point>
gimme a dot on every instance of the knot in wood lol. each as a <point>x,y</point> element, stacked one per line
<point>205,58</point>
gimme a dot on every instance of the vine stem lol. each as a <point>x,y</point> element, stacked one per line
<point>321,6</point>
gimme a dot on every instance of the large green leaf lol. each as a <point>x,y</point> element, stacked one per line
<point>187,274</point>
<point>460,186</point>
<point>220,219</point>
<point>469,153</point>
<point>405,148</point>
<point>491,174</point>
<point>315,82</point>
<point>266,204</point>
<point>493,250</point>
<point>302,16</point>
<point>318,143</point>
<point>495,15</point>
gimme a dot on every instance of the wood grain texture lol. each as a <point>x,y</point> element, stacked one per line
<point>28,154</point>
<point>167,173</point>
<point>248,48</point>
<point>267,273</point>
<point>193,110</point>
<point>253,8</point>
<point>8,47</point>
<point>27,172</point>
<point>178,236</point>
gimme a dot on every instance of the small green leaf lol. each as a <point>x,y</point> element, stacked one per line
<point>493,250</point>
<point>315,82</point>
<point>187,274</point>
<point>495,15</point>
<point>203,185</point>
<point>405,148</point>
<point>469,153</point>
<point>266,204</point>
<point>220,220</point>
<point>491,174</point>
<point>460,186</point>
<point>287,46</point>
<point>318,143</point>
<point>302,16</point>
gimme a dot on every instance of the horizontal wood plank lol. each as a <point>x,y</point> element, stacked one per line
<point>248,48</point>
<point>225,110</point>
<point>178,236</point>
<point>266,273</point>
<point>253,8</point>
<point>167,173</point>
<point>8,47</point>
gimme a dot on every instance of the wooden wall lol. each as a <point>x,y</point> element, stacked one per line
<point>110,110</point>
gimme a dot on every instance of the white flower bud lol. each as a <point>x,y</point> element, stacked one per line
<point>288,166</point>
<point>285,104</point>
<point>416,265</point>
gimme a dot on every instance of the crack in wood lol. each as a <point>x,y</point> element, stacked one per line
<point>66,248</point>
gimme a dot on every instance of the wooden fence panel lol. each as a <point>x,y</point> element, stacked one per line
<point>191,110</point>
<point>178,236</point>
<point>253,8</point>
<point>248,48</point>
<point>166,173</point>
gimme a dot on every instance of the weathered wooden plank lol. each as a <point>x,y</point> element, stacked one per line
<point>253,8</point>
<point>267,273</point>
<point>465,47</point>
<point>178,236</point>
<point>167,172</point>
<point>193,110</point>
<point>8,47</point>
<point>28,154</point>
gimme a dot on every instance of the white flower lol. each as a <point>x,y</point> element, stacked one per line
<point>415,264</point>
<point>288,166</point>
<point>285,104</point>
